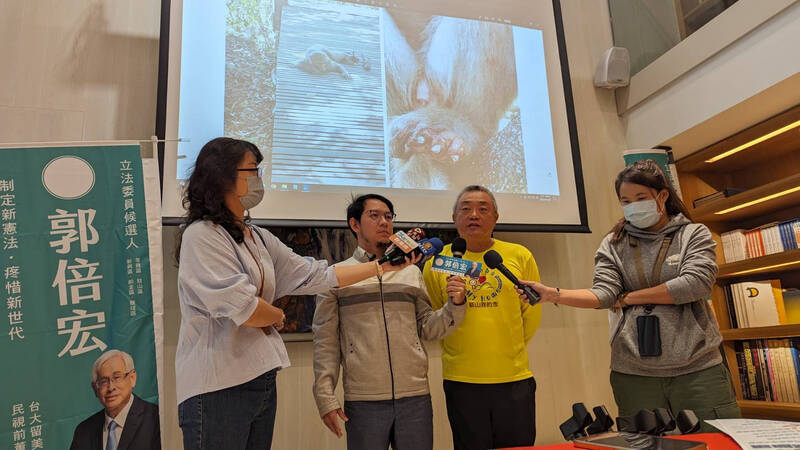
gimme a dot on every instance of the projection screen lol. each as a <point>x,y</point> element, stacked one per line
<point>411,99</point>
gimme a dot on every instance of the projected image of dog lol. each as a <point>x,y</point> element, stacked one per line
<point>320,60</point>
<point>449,82</point>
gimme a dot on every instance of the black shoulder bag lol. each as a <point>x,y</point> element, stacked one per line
<point>648,329</point>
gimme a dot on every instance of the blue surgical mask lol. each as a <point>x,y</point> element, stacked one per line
<point>642,214</point>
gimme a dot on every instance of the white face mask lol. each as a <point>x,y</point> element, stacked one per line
<point>255,192</point>
<point>642,214</point>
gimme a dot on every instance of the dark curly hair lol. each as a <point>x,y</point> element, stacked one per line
<point>647,173</point>
<point>213,176</point>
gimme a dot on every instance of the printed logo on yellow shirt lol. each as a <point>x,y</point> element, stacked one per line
<point>483,291</point>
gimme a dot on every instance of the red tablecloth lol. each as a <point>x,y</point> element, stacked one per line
<point>715,441</point>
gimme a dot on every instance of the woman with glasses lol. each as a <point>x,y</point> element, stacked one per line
<point>229,274</point>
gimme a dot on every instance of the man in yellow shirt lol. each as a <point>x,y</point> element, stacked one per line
<point>487,383</point>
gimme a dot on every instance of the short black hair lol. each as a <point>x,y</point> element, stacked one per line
<point>475,188</point>
<point>356,207</point>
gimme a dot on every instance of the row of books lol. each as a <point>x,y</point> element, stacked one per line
<point>774,237</point>
<point>769,369</point>
<point>755,304</point>
<point>761,303</point>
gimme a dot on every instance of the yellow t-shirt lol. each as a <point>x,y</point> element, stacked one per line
<point>490,346</point>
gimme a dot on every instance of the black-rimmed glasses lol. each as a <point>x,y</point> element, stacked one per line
<point>259,169</point>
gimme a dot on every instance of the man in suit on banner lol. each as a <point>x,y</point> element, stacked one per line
<point>126,422</point>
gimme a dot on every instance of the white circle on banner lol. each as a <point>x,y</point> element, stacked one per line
<point>68,177</point>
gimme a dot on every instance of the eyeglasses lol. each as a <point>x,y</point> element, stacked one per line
<point>116,378</point>
<point>259,169</point>
<point>376,215</point>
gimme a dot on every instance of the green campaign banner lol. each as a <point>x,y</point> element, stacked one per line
<point>75,262</point>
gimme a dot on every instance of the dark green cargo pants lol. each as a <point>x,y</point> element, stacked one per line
<point>708,392</point>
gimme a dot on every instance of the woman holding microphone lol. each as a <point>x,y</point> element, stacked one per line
<point>654,271</point>
<point>229,273</point>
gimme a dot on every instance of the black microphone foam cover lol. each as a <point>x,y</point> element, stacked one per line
<point>665,420</point>
<point>581,415</point>
<point>570,429</point>
<point>602,421</point>
<point>492,259</point>
<point>687,421</point>
<point>459,247</point>
<point>646,421</point>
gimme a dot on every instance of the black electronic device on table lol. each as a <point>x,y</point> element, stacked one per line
<point>626,441</point>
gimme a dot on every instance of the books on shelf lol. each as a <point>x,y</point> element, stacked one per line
<point>727,192</point>
<point>768,239</point>
<point>755,304</point>
<point>769,369</point>
<point>790,233</point>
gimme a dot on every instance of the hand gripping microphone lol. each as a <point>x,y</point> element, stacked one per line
<point>424,247</point>
<point>394,253</point>
<point>495,261</point>
<point>458,248</point>
<point>415,233</point>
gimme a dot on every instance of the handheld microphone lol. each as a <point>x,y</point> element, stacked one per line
<point>394,253</point>
<point>495,261</point>
<point>459,247</point>
<point>430,246</point>
<point>425,247</point>
<point>415,233</point>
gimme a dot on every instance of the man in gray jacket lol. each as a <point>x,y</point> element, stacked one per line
<point>373,329</point>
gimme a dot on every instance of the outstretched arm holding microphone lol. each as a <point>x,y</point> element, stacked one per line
<point>229,274</point>
<point>585,298</point>
<point>654,271</point>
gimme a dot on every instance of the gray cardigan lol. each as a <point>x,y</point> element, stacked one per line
<point>376,343</point>
<point>690,336</point>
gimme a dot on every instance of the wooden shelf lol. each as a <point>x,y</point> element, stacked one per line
<point>777,331</point>
<point>770,410</point>
<point>777,262</point>
<point>708,213</point>
<point>765,168</point>
<point>773,148</point>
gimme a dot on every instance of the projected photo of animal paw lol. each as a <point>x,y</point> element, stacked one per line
<point>449,83</point>
<point>363,96</point>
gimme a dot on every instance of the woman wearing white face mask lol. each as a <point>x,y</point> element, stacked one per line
<point>654,271</point>
<point>229,273</point>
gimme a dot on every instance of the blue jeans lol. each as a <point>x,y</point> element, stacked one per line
<point>406,424</point>
<point>237,418</point>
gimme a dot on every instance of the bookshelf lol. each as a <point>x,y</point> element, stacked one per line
<point>775,263</point>
<point>765,160</point>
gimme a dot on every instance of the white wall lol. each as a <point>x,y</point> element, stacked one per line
<point>78,69</point>
<point>81,70</point>
<point>738,70</point>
